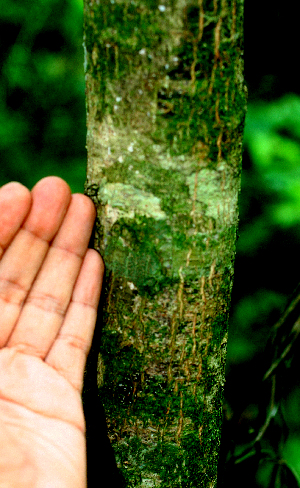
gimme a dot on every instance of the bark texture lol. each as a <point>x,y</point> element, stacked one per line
<point>165,114</point>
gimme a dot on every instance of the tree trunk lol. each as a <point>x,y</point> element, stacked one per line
<point>165,114</point>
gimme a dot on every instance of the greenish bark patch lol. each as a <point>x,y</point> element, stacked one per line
<point>165,112</point>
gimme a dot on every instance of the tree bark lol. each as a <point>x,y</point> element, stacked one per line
<point>165,114</point>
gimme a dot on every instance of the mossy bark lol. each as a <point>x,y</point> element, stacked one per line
<point>165,114</point>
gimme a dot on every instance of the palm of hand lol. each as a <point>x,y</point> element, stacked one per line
<point>44,427</point>
<point>48,299</point>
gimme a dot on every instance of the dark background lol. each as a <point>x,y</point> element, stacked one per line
<point>42,132</point>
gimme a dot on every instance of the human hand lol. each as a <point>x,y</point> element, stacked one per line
<point>50,285</point>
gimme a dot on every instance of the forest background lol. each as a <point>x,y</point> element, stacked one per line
<point>42,132</point>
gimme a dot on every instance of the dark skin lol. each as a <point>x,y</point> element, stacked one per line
<point>50,284</point>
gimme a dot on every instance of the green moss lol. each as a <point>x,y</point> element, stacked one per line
<point>218,327</point>
<point>164,164</point>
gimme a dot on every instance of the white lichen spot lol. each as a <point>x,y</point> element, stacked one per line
<point>126,201</point>
<point>111,215</point>
<point>130,148</point>
<point>161,8</point>
<point>116,107</point>
<point>85,62</point>
<point>108,151</point>
<point>167,66</point>
<point>131,285</point>
<point>142,51</point>
<point>175,59</point>
<point>120,159</point>
<point>137,302</point>
<point>118,99</point>
<point>150,480</point>
<point>94,56</point>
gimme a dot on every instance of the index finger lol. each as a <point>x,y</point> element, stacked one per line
<point>26,252</point>
<point>15,201</point>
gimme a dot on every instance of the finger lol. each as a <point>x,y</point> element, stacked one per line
<point>49,297</point>
<point>51,197</point>
<point>72,344</point>
<point>25,254</point>
<point>15,201</point>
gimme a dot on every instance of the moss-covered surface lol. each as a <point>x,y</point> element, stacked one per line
<point>166,105</point>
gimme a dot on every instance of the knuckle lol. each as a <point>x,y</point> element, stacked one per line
<point>12,291</point>
<point>47,303</point>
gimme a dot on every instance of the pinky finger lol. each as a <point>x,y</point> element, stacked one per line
<point>70,349</point>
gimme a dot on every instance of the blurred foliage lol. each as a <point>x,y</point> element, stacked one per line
<point>42,106</point>
<point>42,132</point>
<point>262,421</point>
<point>269,209</point>
<point>272,136</point>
